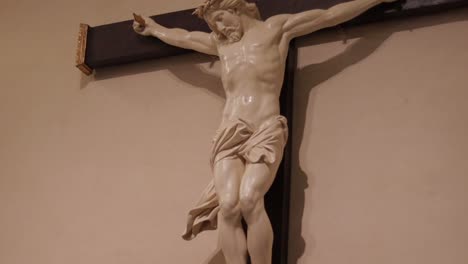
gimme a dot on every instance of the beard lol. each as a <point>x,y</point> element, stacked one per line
<point>233,34</point>
<point>234,37</point>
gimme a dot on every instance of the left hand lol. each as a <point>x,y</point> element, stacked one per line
<point>143,25</point>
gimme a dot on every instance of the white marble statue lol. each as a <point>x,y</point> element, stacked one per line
<point>248,145</point>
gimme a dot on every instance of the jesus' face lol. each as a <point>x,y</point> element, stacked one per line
<point>226,22</point>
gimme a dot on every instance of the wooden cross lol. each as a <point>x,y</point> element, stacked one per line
<point>102,46</point>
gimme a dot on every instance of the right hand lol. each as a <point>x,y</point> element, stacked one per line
<point>146,29</point>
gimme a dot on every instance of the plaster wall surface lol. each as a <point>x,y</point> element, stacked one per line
<point>102,169</point>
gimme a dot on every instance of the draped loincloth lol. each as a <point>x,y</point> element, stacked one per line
<point>236,140</point>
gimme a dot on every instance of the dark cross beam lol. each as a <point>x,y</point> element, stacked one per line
<point>114,44</point>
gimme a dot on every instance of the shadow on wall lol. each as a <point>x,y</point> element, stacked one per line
<point>370,38</point>
<point>191,73</point>
<point>216,258</point>
<point>313,75</point>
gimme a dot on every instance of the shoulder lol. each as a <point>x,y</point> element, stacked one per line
<point>278,20</point>
<point>215,39</point>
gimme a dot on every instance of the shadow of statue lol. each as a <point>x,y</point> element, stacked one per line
<point>202,77</point>
<point>216,257</point>
<point>313,75</point>
<point>370,39</point>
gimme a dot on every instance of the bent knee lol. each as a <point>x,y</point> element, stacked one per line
<point>250,203</point>
<point>229,208</point>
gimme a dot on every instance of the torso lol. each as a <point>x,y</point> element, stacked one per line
<point>252,74</point>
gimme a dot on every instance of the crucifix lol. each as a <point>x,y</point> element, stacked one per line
<point>248,146</point>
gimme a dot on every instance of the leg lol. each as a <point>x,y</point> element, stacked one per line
<point>256,181</point>
<point>227,175</point>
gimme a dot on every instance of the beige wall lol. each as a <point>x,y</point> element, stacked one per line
<point>103,169</point>
<point>97,170</point>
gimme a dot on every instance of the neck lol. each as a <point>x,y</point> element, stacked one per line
<point>248,22</point>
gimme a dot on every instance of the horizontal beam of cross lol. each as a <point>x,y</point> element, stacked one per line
<point>116,43</point>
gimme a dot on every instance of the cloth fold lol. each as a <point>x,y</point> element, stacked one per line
<point>236,139</point>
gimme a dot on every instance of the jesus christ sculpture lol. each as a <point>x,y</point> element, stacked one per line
<point>248,145</point>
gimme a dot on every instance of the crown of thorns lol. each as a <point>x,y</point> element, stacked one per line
<point>211,5</point>
<point>203,8</point>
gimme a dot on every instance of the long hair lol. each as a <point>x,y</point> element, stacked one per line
<point>208,6</point>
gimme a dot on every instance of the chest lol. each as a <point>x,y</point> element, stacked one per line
<point>256,47</point>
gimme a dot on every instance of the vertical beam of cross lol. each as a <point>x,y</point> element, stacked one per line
<point>277,198</point>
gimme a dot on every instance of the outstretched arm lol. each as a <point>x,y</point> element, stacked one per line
<point>195,40</point>
<point>307,22</point>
